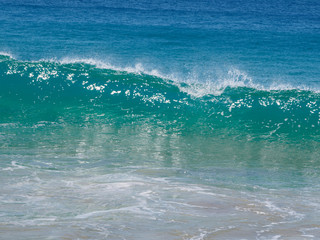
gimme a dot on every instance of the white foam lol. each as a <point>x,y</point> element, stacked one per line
<point>287,86</point>
<point>195,87</point>
<point>136,69</point>
<point>6,54</point>
<point>132,209</point>
<point>14,167</point>
<point>286,211</point>
<point>276,237</point>
<point>234,78</point>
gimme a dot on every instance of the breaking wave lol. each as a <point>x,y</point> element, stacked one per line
<point>73,89</point>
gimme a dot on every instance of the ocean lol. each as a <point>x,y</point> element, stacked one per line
<point>159,119</point>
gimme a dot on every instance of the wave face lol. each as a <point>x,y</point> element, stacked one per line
<point>79,92</point>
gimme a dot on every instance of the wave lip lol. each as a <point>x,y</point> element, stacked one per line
<point>6,54</point>
<point>192,86</point>
<point>195,88</point>
<point>46,69</point>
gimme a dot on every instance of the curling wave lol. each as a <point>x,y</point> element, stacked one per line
<point>72,90</point>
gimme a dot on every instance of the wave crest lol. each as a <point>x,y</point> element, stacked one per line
<point>234,78</point>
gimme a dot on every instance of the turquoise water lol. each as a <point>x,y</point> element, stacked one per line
<point>159,120</point>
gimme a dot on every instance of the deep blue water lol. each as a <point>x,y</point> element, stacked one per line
<point>272,41</point>
<point>159,119</point>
